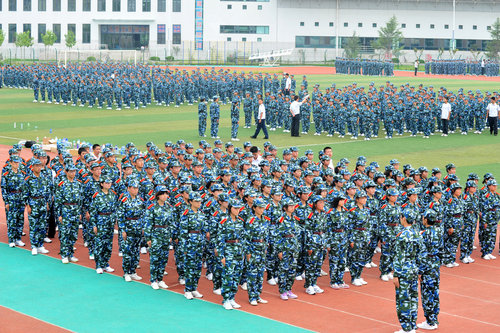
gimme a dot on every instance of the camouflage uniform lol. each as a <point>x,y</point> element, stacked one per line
<point>12,184</point>
<point>256,241</point>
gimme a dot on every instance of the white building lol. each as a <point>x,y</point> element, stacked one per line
<point>262,24</point>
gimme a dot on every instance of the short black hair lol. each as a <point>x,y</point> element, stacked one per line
<point>254,149</point>
<point>295,98</point>
<point>95,145</point>
<point>82,150</point>
<point>326,148</point>
<point>493,98</point>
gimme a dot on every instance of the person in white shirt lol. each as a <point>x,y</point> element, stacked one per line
<point>416,67</point>
<point>295,111</point>
<point>445,116</point>
<point>493,116</point>
<point>261,121</point>
<point>288,84</point>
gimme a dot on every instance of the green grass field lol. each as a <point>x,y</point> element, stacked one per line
<point>472,153</point>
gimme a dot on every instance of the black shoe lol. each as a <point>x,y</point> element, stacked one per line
<point>253,137</point>
<point>266,138</point>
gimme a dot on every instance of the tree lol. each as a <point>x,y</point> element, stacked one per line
<point>493,47</point>
<point>2,37</point>
<point>48,39</point>
<point>352,47</point>
<point>389,38</point>
<point>24,39</point>
<point>70,39</point>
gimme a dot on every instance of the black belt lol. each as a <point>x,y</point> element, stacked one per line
<point>373,214</point>
<point>392,224</point>
<point>160,226</point>
<point>131,218</point>
<point>232,241</point>
<point>194,231</point>
<point>258,240</point>
<point>469,211</point>
<point>41,197</point>
<point>17,191</point>
<point>338,230</point>
<point>288,236</point>
<point>360,229</point>
<point>457,215</point>
<point>492,209</point>
<point>105,214</point>
<point>318,233</point>
<point>70,204</point>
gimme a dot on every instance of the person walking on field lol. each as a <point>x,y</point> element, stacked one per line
<point>445,116</point>
<point>261,121</point>
<point>295,111</point>
<point>416,66</point>
<point>493,116</point>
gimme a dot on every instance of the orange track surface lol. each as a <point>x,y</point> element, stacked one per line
<point>470,295</point>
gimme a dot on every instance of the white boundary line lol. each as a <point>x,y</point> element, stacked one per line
<point>11,138</point>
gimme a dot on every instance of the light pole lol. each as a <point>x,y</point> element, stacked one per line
<point>452,46</point>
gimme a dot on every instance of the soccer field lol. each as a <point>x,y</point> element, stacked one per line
<point>472,153</point>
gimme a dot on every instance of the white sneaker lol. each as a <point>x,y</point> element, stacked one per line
<point>310,290</point>
<point>86,244</point>
<point>470,260</point>
<point>182,282</point>
<point>217,291</point>
<point>271,282</point>
<point>227,305</point>
<point>20,243</point>
<point>334,286</point>
<point>318,290</point>
<point>474,247</point>
<point>363,281</point>
<point>425,326</point>
<point>155,286</point>
<point>346,269</point>
<point>254,302</point>
<point>368,265</point>
<point>450,265</point>
<point>144,250</point>
<point>323,273</point>
<point>136,277</point>
<point>120,254</point>
<point>74,259</point>
<point>162,285</point>
<point>12,244</point>
<point>165,273</point>
<point>455,264</point>
<point>91,257</point>
<point>109,269</point>
<point>244,286</point>
<point>391,276</point>
<point>210,276</point>
<point>43,250</point>
<point>65,260</point>
<point>127,278</point>
<point>373,264</point>
<point>298,278</point>
<point>99,271</point>
<point>197,294</point>
<point>262,301</point>
<point>385,278</point>
<point>47,240</point>
<point>357,283</point>
<point>234,304</point>
<point>485,257</point>
<point>492,256</point>
<point>465,260</point>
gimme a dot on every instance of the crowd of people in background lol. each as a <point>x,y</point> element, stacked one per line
<point>462,67</point>
<point>364,67</point>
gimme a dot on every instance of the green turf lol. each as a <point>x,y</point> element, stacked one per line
<point>76,298</point>
<point>159,124</point>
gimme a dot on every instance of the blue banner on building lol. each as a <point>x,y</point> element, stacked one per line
<point>198,24</point>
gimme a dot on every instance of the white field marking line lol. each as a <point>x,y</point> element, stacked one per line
<point>442,312</point>
<point>466,296</point>
<point>11,138</point>
<point>172,291</point>
<point>352,141</point>
<point>472,279</point>
<point>43,321</point>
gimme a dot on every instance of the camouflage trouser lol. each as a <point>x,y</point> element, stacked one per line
<point>202,125</point>
<point>88,235</point>
<point>301,266</point>
<point>337,258</point>
<point>357,255</point>
<point>429,288</point>
<point>179,260</point>
<point>38,225</point>
<point>248,117</point>
<point>68,233</point>
<point>193,261</point>
<point>271,262</point>
<point>313,266</point>
<point>488,235</point>
<point>407,303</point>
<point>450,246</point>
<point>158,253</point>
<point>231,271</point>
<point>468,234</point>
<point>255,275</point>
<point>15,222</point>
<point>130,249</point>
<point>234,129</point>
<point>287,269</point>
<point>103,245</point>
<point>214,126</point>
<point>374,237</point>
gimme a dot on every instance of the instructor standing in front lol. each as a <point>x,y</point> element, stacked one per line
<point>295,111</point>
<point>261,121</point>
<point>493,116</point>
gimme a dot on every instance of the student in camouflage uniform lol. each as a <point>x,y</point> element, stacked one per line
<point>202,118</point>
<point>490,213</point>
<point>157,232</point>
<point>336,241</point>
<point>471,218</point>
<point>235,116</point>
<point>12,185</point>
<point>68,211</point>
<point>358,238</point>
<point>390,227</point>
<point>453,225</point>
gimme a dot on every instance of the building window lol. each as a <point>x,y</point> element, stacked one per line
<point>403,25</point>
<point>71,5</point>
<point>474,27</point>
<point>244,7</point>
<point>244,29</point>
<point>446,26</point>
<point>12,8</point>
<point>330,24</point>
<point>314,41</point>
<point>27,5</point>
<point>146,5</point>
<point>432,26</point>
<point>56,5</point>
<point>360,25</point>
<point>176,6</point>
<point>176,34</point>
<point>27,27</point>
<point>86,5</point>
<point>86,33</point>
<point>316,24</point>
<point>101,5</point>
<point>488,27</point>
<point>56,29</point>
<point>259,7</point>
<point>374,25</point>
<point>460,27</point>
<point>228,39</point>
<point>417,26</point>
<point>117,4</point>
<point>42,5</point>
<point>162,5</point>
<point>131,6</point>
<point>12,32</point>
<point>301,24</point>
<point>243,39</point>
<point>72,28</point>
<point>229,6</point>
<point>42,29</point>
<point>259,39</point>
<point>346,24</point>
<point>161,37</point>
